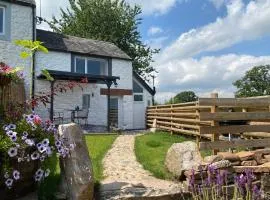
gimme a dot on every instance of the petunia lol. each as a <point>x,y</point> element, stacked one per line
<point>9,182</point>
<point>29,142</point>
<point>6,175</point>
<point>13,138</point>
<point>16,174</point>
<point>12,126</point>
<point>58,143</point>
<point>42,149</point>
<point>47,172</point>
<point>38,178</point>
<point>49,151</point>
<point>39,173</point>
<point>25,134</point>
<point>12,152</point>
<point>46,142</point>
<point>35,155</point>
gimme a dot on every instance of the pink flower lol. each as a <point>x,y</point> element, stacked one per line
<point>37,120</point>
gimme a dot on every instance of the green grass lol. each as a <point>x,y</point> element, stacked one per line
<point>151,149</point>
<point>97,145</point>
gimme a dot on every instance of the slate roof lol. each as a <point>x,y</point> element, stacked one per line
<point>22,2</point>
<point>65,43</point>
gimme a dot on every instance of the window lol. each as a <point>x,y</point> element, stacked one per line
<point>137,88</point>
<point>86,101</point>
<point>137,91</point>
<point>2,20</point>
<point>92,66</point>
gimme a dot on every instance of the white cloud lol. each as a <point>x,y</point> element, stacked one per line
<point>155,7</point>
<point>218,3</point>
<point>241,23</point>
<point>154,30</point>
<point>158,42</point>
<point>179,70</point>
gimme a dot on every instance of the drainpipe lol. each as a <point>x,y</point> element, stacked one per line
<point>33,72</point>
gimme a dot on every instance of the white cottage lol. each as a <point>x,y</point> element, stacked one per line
<point>71,58</point>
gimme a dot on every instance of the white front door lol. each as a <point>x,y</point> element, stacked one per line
<point>139,115</point>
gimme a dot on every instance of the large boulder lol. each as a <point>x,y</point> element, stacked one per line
<point>181,157</point>
<point>76,170</point>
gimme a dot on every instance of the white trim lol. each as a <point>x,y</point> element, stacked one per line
<point>4,20</point>
<point>104,70</point>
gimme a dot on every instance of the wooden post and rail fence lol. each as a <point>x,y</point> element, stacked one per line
<point>210,118</point>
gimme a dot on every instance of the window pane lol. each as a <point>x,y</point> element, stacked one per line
<point>137,88</point>
<point>94,67</point>
<point>86,101</point>
<point>1,20</point>
<point>80,65</point>
<point>138,97</point>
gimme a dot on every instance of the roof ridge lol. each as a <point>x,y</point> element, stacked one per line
<point>79,37</point>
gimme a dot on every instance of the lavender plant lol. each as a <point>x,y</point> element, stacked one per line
<point>214,185</point>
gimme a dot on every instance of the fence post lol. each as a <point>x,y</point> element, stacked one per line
<point>215,135</point>
<point>171,118</point>
<point>198,137</point>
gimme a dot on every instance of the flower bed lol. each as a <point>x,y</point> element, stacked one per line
<point>227,175</point>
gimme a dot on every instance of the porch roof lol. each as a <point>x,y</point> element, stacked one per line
<point>72,76</point>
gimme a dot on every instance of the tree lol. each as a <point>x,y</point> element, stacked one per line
<point>109,20</point>
<point>256,82</point>
<point>183,97</point>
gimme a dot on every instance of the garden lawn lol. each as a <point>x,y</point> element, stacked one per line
<point>98,145</point>
<point>151,150</point>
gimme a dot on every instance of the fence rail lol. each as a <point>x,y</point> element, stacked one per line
<point>211,117</point>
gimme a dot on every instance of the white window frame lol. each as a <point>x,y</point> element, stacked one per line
<point>104,71</point>
<point>4,20</point>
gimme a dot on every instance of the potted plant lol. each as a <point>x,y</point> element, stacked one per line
<point>25,148</point>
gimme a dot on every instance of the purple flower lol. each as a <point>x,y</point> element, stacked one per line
<point>49,151</point>
<point>9,182</point>
<point>46,142</point>
<point>6,175</point>
<point>25,134</point>
<point>13,138</point>
<point>16,175</point>
<point>12,152</point>
<point>256,192</point>
<point>35,155</point>
<point>39,172</point>
<point>39,175</point>
<point>10,133</point>
<point>47,172</point>
<point>12,126</point>
<point>29,142</point>
<point>58,143</point>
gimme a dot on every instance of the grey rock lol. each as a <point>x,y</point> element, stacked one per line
<point>76,170</point>
<point>181,157</point>
<point>221,164</point>
<point>212,159</point>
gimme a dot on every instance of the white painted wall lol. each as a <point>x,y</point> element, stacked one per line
<point>139,108</point>
<point>123,68</point>
<point>98,103</point>
<point>21,28</point>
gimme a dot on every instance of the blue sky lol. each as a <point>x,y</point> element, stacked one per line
<point>205,44</point>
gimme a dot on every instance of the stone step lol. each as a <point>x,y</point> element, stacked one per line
<point>131,191</point>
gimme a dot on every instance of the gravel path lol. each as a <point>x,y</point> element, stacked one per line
<point>126,177</point>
